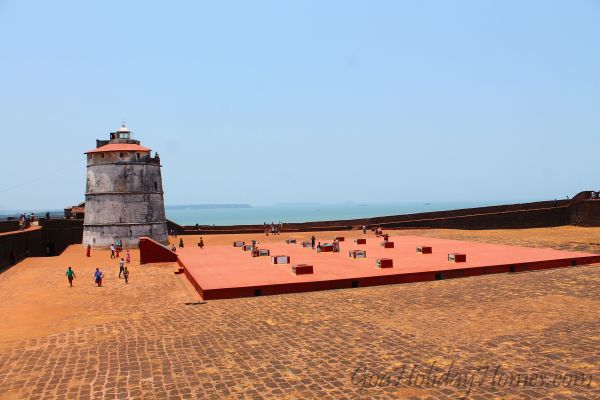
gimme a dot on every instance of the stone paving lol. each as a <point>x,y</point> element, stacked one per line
<point>527,335</point>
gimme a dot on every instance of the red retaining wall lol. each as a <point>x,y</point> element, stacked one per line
<point>154,252</point>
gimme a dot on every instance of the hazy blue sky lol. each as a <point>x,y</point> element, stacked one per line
<point>266,102</point>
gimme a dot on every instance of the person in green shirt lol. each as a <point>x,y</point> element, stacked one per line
<point>70,276</point>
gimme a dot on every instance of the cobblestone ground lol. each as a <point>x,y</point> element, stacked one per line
<point>528,335</point>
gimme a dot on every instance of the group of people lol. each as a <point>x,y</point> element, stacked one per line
<point>25,220</point>
<point>174,249</point>
<point>273,228</point>
<point>115,250</point>
<point>335,244</point>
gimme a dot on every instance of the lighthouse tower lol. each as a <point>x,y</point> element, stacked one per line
<point>124,194</point>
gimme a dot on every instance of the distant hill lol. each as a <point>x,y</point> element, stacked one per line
<point>206,206</point>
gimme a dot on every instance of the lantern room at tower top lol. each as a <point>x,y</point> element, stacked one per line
<point>120,141</point>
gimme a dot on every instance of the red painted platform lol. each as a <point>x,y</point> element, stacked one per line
<point>220,272</point>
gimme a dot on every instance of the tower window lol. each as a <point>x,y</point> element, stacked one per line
<point>155,185</point>
<point>121,155</point>
<point>138,155</point>
<point>102,154</point>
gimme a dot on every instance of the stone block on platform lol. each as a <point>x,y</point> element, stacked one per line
<point>385,263</point>
<point>307,243</point>
<point>247,247</point>
<point>387,245</point>
<point>326,248</point>
<point>291,241</point>
<point>357,254</point>
<point>238,243</point>
<point>457,257</point>
<point>301,269</point>
<point>280,259</point>
<point>360,241</point>
<point>261,253</point>
<point>424,250</point>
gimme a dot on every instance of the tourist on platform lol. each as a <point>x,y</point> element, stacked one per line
<point>386,238</point>
<point>70,276</point>
<point>364,229</point>
<point>201,243</point>
<point>112,251</point>
<point>98,275</point>
<point>127,257</point>
<point>117,252</point>
<point>312,241</point>
<point>180,242</point>
<point>319,247</point>
<point>88,251</point>
<point>173,248</point>
<point>121,267</point>
<point>336,245</point>
<point>126,275</point>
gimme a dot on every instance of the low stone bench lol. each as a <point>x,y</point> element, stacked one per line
<point>280,259</point>
<point>384,263</point>
<point>424,250</point>
<point>457,257</point>
<point>302,269</point>
<point>357,254</point>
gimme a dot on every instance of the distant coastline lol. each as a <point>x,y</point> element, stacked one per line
<point>206,206</point>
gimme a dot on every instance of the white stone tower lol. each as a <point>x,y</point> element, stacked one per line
<point>124,194</point>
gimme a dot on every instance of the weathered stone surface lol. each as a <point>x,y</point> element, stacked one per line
<point>124,198</point>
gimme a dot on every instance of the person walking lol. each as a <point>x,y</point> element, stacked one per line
<point>121,267</point>
<point>126,275</point>
<point>312,241</point>
<point>112,251</point>
<point>201,243</point>
<point>88,251</point>
<point>364,229</point>
<point>127,257</point>
<point>98,275</point>
<point>70,276</point>
<point>117,251</point>
<point>180,243</point>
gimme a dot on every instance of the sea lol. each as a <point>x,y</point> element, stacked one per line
<point>258,214</point>
<point>224,215</point>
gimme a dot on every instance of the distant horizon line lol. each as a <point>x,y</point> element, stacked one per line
<point>9,211</point>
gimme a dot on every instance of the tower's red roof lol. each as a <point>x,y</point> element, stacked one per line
<point>118,147</point>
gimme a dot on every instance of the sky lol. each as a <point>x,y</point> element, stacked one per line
<point>265,102</point>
